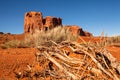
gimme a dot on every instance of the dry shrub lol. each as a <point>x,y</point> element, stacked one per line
<point>93,62</point>
<point>10,44</point>
<point>57,35</point>
<point>15,44</point>
<point>114,40</point>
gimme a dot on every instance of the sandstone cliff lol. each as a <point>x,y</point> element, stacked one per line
<point>34,22</point>
<point>51,22</point>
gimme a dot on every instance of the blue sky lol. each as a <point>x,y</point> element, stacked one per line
<point>94,16</point>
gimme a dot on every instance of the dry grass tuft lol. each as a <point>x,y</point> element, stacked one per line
<point>16,44</point>
<point>11,44</point>
<point>57,35</point>
<point>115,41</point>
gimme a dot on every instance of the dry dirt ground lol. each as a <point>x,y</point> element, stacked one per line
<point>13,60</point>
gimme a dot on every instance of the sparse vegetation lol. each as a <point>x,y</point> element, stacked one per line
<point>15,44</point>
<point>11,44</point>
<point>57,35</point>
<point>115,41</point>
<point>53,60</point>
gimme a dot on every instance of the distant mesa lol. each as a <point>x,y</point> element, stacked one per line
<point>78,30</point>
<point>34,22</point>
<point>1,33</point>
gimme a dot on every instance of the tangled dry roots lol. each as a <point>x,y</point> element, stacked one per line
<point>92,62</point>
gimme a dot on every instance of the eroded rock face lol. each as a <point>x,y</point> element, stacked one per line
<point>33,22</point>
<point>88,33</point>
<point>76,30</point>
<point>52,22</point>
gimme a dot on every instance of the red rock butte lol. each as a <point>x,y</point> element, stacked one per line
<point>34,22</point>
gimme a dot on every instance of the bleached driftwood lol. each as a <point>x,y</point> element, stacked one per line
<point>64,64</point>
